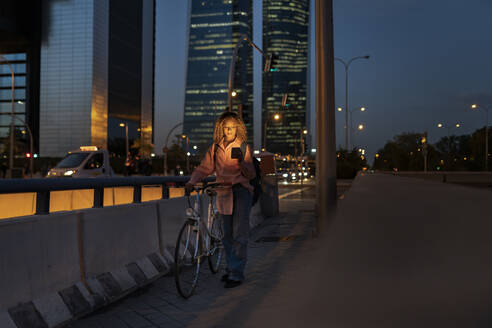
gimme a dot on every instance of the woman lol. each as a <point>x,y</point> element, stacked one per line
<point>233,201</point>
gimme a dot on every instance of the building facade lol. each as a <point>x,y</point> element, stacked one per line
<point>20,39</point>
<point>97,74</point>
<point>285,34</point>
<point>215,28</point>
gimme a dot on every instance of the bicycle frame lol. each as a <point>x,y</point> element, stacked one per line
<point>211,216</point>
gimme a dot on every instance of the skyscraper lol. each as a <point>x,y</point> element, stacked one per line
<point>215,27</point>
<point>97,73</point>
<point>20,37</point>
<point>285,34</point>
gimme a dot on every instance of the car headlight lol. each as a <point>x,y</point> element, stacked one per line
<point>305,173</point>
<point>69,173</point>
<point>285,175</point>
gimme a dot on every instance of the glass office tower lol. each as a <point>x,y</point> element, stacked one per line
<point>97,73</point>
<point>285,33</point>
<point>20,35</point>
<point>215,27</point>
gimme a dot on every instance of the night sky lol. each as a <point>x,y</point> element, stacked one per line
<point>429,61</point>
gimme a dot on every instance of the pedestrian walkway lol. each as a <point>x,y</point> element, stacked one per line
<point>271,250</point>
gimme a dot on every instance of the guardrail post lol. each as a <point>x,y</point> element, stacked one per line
<point>137,194</point>
<point>98,198</point>
<point>165,192</point>
<point>42,202</point>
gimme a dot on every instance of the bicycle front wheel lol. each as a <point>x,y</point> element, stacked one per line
<point>216,247</point>
<point>187,259</point>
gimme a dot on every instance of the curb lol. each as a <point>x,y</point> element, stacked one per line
<point>69,304</point>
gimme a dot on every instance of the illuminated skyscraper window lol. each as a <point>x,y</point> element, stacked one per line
<point>215,28</point>
<point>285,34</point>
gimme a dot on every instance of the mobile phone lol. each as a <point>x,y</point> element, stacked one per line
<point>236,152</point>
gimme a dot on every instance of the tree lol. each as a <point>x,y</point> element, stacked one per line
<point>348,163</point>
<point>404,153</point>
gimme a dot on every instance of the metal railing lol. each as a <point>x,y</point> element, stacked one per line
<point>43,187</point>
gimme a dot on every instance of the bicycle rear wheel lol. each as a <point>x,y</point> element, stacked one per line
<point>187,259</point>
<point>216,247</point>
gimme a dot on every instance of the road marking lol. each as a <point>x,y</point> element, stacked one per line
<point>293,192</point>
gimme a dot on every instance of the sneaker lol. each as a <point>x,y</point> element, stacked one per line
<point>232,283</point>
<point>225,277</point>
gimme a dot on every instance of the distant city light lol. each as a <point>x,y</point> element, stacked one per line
<point>313,150</point>
<point>233,93</point>
<point>152,155</point>
<point>195,147</point>
<point>122,125</point>
<point>339,109</point>
<point>256,152</point>
<point>188,154</point>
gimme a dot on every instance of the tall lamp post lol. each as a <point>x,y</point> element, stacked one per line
<point>11,152</point>
<point>486,109</point>
<point>31,142</point>
<point>276,117</point>
<point>232,66</point>
<point>127,145</point>
<point>165,149</point>
<point>441,126</point>
<point>347,65</point>
<point>184,136</point>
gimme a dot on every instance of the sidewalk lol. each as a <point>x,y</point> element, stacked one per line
<point>159,304</point>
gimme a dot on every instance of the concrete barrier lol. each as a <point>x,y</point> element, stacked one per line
<point>116,236</point>
<point>38,255</point>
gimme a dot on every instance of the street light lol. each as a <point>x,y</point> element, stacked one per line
<point>184,136</point>
<point>127,146</point>
<point>165,149</point>
<point>347,65</point>
<point>31,142</point>
<point>276,117</point>
<point>441,125</point>
<point>362,109</point>
<point>486,109</point>
<point>11,152</point>
<point>232,65</point>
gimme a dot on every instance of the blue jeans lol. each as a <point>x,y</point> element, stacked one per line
<point>236,233</point>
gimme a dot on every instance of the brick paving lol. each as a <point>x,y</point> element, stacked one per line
<point>159,304</point>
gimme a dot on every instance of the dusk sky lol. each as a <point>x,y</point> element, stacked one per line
<point>429,61</point>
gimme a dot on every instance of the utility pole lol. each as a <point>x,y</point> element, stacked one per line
<point>326,185</point>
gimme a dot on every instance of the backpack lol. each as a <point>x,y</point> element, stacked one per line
<point>256,181</point>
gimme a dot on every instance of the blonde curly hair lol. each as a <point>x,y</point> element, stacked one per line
<point>219,131</point>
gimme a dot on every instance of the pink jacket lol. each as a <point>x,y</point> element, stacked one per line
<point>228,171</point>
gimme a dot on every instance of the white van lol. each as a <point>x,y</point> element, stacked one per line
<point>86,162</point>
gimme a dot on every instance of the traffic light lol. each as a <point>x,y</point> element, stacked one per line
<point>28,155</point>
<point>271,63</point>
<point>284,100</point>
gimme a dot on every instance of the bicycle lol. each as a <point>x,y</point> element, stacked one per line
<point>197,240</point>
